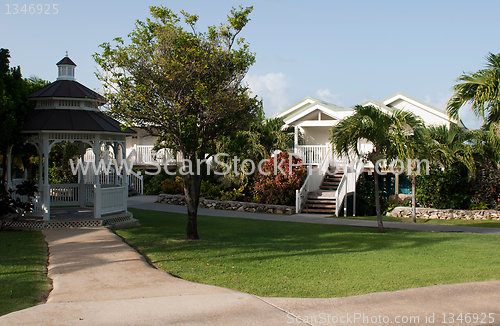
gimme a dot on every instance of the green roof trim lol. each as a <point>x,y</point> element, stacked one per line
<point>307,106</point>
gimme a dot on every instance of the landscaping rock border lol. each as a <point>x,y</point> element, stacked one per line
<point>228,205</point>
<point>447,214</point>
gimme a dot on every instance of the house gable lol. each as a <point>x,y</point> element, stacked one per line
<point>430,114</point>
<point>311,111</point>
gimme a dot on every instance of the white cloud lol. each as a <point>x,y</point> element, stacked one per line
<point>272,88</point>
<point>326,95</point>
<point>465,113</point>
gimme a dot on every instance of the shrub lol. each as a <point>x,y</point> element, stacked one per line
<point>153,183</point>
<point>365,196</point>
<point>279,188</point>
<point>485,187</point>
<point>209,190</point>
<point>172,186</point>
<point>444,189</point>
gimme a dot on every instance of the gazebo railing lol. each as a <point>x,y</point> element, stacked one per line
<point>64,194</point>
<point>89,194</point>
<point>113,200</point>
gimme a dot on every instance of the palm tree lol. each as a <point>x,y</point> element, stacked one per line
<point>392,136</point>
<point>481,90</point>
<point>453,145</point>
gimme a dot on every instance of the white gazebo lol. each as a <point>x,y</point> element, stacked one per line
<point>67,111</point>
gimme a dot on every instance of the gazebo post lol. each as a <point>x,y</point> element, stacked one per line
<point>46,185</point>
<point>82,193</point>
<point>40,166</point>
<point>97,183</point>
<point>9,167</point>
<point>116,153</point>
<point>124,172</point>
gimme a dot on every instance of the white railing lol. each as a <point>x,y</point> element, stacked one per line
<point>313,181</point>
<point>301,194</point>
<point>36,201</point>
<point>113,199</point>
<point>89,194</point>
<point>136,181</point>
<point>64,194</point>
<point>108,178</point>
<point>145,154</point>
<point>347,184</point>
<point>312,154</point>
<point>341,191</point>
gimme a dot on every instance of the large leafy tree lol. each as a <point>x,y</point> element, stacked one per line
<point>14,105</point>
<point>184,86</point>
<point>479,89</point>
<point>391,134</point>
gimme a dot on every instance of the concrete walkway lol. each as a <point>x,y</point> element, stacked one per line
<point>148,202</point>
<point>100,280</point>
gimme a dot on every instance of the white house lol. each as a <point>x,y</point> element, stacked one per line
<point>312,120</point>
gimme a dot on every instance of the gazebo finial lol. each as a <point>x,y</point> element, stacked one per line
<point>67,54</point>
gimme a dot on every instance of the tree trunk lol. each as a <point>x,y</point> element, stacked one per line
<point>414,199</point>
<point>192,183</point>
<point>377,202</point>
<point>396,190</point>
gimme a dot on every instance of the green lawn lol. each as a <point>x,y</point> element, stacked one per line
<point>23,271</point>
<point>288,259</point>
<point>457,222</point>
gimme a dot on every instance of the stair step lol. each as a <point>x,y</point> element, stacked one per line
<point>319,211</point>
<point>321,199</point>
<point>317,206</point>
<point>328,187</point>
<point>330,183</point>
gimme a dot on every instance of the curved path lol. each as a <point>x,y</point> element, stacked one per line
<point>100,280</point>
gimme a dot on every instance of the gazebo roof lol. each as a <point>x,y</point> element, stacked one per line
<point>60,107</point>
<point>66,61</point>
<point>65,88</point>
<point>72,120</point>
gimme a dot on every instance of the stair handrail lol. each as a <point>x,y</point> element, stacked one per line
<point>136,181</point>
<point>309,182</point>
<point>301,193</point>
<point>326,160</point>
<point>341,191</point>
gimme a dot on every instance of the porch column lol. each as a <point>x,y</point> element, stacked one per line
<point>46,185</point>
<point>97,183</point>
<point>9,167</point>
<point>295,138</point>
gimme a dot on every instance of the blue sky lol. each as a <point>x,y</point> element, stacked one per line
<point>343,52</point>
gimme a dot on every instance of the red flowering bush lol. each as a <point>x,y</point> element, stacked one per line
<point>278,187</point>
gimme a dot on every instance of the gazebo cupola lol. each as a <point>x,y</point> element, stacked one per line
<point>66,69</point>
<point>67,111</point>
